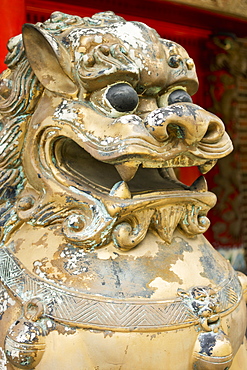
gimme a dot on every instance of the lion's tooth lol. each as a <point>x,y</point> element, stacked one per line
<point>163,173</point>
<point>127,170</point>
<point>172,173</point>
<point>199,185</point>
<point>167,173</point>
<point>204,168</point>
<point>120,190</point>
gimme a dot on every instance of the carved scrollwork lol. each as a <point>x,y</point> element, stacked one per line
<point>89,227</point>
<point>131,231</point>
<point>193,222</point>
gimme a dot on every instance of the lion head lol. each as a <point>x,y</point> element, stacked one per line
<point>95,115</point>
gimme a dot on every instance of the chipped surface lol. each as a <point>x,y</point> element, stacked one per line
<point>5,300</point>
<point>101,243</point>
<point>3,360</point>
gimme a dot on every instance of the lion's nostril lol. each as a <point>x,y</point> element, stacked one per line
<point>185,122</point>
<point>214,132</point>
<point>176,131</point>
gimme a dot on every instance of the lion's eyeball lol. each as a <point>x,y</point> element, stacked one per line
<point>179,96</point>
<point>122,97</point>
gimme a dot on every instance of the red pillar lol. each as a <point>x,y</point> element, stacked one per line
<point>12,17</point>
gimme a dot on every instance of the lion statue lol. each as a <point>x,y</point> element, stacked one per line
<point>103,264</point>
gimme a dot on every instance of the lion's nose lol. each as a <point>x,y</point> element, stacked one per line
<point>185,121</point>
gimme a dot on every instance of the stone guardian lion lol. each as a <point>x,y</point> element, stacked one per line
<point>103,264</point>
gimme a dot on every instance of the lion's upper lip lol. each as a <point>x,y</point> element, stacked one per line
<point>127,170</point>
<point>129,153</point>
<point>159,140</point>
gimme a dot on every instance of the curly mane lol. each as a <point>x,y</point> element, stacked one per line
<point>20,91</point>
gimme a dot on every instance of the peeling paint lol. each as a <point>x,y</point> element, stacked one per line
<point>3,360</point>
<point>212,267</point>
<point>5,301</point>
<point>121,275</point>
<point>82,279</point>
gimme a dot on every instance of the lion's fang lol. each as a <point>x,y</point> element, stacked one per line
<point>120,190</point>
<point>199,185</point>
<point>206,167</point>
<point>127,170</point>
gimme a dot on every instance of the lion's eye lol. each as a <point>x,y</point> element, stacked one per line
<point>122,97</point>
<point>179,96</point>
<point>115,100</point>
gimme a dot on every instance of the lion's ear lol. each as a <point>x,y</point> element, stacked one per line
<point>49,60</point>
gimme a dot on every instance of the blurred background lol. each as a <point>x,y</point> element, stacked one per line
<point>214,32</point>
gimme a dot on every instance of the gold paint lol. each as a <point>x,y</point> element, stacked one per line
<point>190,63</point>
<point>101,244</point>
<point>42,242</point>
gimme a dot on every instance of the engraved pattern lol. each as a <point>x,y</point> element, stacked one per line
<point>100,313</point>
<point>230,293</point>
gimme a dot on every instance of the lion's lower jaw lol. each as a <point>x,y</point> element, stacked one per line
<point>89,223</point>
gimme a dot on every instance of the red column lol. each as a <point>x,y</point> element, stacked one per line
<point>12,17</point>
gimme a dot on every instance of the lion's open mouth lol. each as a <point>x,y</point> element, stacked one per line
<point>77,164</point>
<point>154,198</point>
<point>123,195</point>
